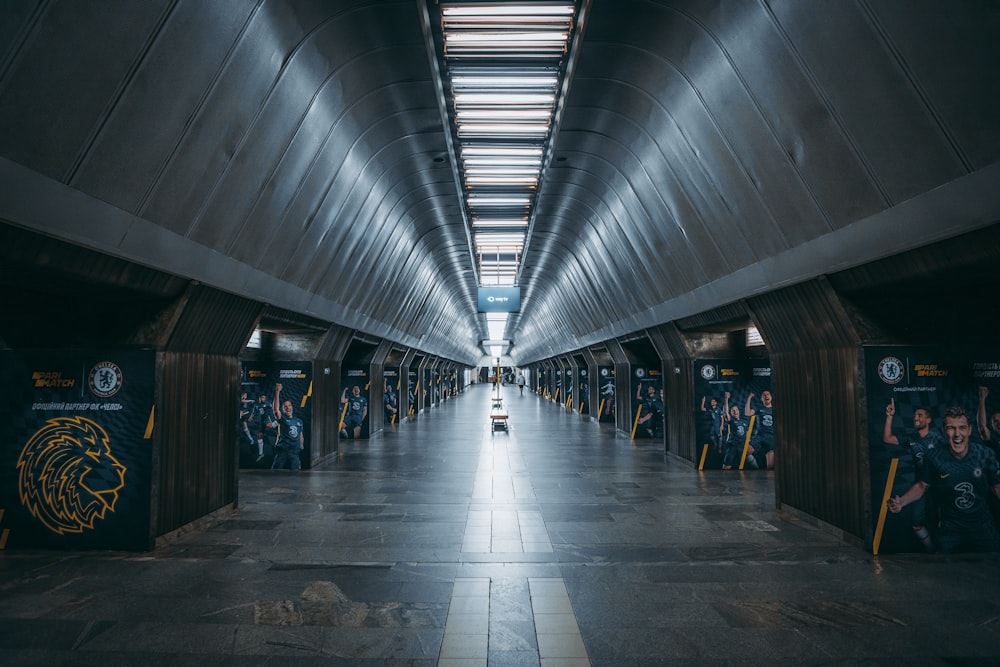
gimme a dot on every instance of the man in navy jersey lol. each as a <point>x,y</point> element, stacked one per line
<point>734,435</point>
<point>290,437</point>
<point>961,475</point>
<point>357,410</point>
<point>991,436</point>
<point>246,412</point>
<point>389,404</point>
<point>651,409</point>
<point>263,421</point>
<point>918,442</point>
<point>763,429</point>
<point>717,419</point>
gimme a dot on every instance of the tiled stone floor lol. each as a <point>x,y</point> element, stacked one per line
<point>555,543</point>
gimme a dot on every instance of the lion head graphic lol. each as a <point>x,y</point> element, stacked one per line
<point>67,476</point>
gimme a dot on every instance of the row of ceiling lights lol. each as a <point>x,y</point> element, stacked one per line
<point>504,63</point>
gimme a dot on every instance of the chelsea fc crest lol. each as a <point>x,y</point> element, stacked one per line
<point>105,379</point>
<point>890,370</point>
<point>708,372</point>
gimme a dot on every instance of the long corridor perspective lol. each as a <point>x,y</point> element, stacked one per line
<point>555,542</point>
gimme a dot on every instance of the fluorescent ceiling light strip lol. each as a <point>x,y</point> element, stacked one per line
<point>496,241</point>
<point>504,114</point>
<point>540,82</point>
<point>501,180</point>
<point>550,51</point>
<point>507,10</point>
<point>475,200</point>
<point>526,130</point>
<point>481,36</point>
<point>502,162</point>
<point>524,99</point>
<point>501,171</point>
<point>469,150</point>
<point>520,25</point>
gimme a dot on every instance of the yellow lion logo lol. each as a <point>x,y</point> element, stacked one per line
<point>67,477</point>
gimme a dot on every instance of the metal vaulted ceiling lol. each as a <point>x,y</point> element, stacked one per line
<point>300,152</point>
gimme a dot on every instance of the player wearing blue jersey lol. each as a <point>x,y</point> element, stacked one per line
<point>918,442</point>
<point>763,429</point>
<point>357,410</point>
<point>989,429</point>
<point>389,404</point>
<point>290,439</point>
<point>246,412</point>
<point>263,419</point>
<point>734,436</point>
<point>651,409</point>
<point>717,418</point>
<point>961,476</point>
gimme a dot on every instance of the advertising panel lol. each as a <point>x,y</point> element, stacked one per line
<point>606,395</point>
<point>76,466</point>
<point>734,414</point>
<point>934,419</point>
<point>583,398</point>
<point>354,395</point>
<point>413,389</point>
<point>264,442</point>
<point>390,394</point>
<point>647,403</point>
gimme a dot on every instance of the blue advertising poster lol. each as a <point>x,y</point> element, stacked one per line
<point>391,381</point>
<point>734,414</point>
<point>260,431</point>
<point>355,423</point>
<point>76,465</point>
<point>934,418</point>
<point>583,382</point>
<point>647,403</point>
<point>606,393</point>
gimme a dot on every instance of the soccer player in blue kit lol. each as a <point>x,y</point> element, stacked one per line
<point>763,429</point>
<point>919,442</point>
<point>290,439</point>
<point>962,475</point>
<point>734,435</point>
<point>716,417</point>
<point>991,438</point>
<point>357,410</point>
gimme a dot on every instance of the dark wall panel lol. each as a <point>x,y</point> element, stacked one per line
<point>821,461</point>
<point>678,391</point>
<point>196,436</point>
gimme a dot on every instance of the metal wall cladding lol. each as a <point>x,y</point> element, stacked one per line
<point>301,137</point>
<point>678,386</point>
<point>711,319</point>
<point>301,143</point>
<point>195,436</point>
<point>214,322</point>
<point>701,139</point>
